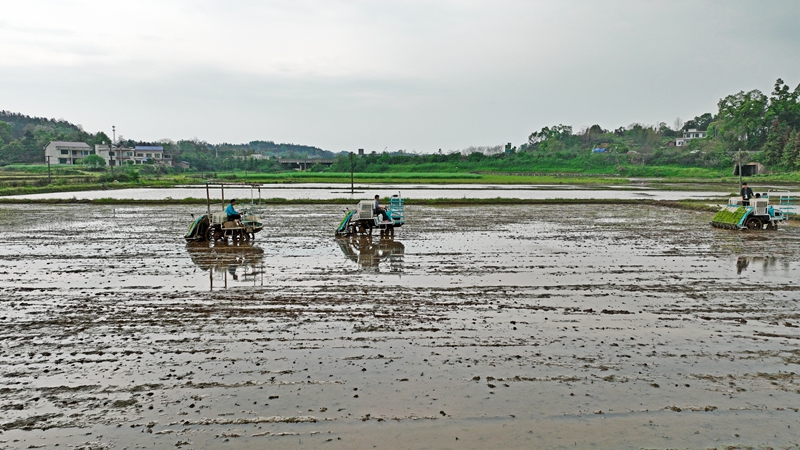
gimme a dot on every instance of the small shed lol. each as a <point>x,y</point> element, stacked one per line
<point>751,168</point>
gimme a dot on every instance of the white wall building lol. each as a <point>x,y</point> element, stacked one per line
<point>63,152</point>
<point>141,154</point>
<point>688,135</point>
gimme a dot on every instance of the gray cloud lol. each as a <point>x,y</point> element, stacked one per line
<point>414,75</point>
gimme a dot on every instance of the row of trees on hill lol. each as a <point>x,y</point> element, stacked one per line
<point>754,122</point>
<point>22,137</point>
<point>767,127</point>
<point>204,156</point>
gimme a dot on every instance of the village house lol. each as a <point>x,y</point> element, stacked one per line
<point>140,154</point>
<point>63,152</point>
<point>688,135</point>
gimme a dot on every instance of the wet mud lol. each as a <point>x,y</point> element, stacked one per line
<point>584,326</point>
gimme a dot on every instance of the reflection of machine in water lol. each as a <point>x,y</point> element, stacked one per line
<point>240,261</point>
<point>368,252</point>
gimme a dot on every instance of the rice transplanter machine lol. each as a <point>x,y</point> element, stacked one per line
<point>362,220</point>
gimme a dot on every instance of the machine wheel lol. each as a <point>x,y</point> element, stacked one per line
<point>363,229</point>
<point>218,234</point>
<point>772,226</point>
<point>202,231</point>
<point>754,224</point>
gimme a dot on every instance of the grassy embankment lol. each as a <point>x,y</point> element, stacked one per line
<point>23,181</point>
<point>20,180</point>
<point>73,182</point>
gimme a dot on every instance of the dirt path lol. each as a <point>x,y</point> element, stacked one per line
<point>476,327</point>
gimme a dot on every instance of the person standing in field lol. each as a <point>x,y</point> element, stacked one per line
<point>746,193</point>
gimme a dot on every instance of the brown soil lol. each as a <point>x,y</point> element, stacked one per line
<point>581,326</point>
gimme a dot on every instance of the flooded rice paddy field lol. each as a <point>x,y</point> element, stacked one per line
<point>302,191</point>
<point>475,327</point>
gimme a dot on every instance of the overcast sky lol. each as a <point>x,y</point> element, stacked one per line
<point>402,74</point>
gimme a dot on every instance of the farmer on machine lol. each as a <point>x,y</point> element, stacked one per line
<point>747,194</point>
<point>232,214</point>
<point>378,209</point>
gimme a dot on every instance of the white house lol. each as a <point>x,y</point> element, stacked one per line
<point>141,154</point>
<point>62,152</point>
<point>150,153</point>
<point>688,135</point>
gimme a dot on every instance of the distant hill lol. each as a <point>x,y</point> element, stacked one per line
<point>20,124</point>
<point>22,139</point>
<point>280,150</point>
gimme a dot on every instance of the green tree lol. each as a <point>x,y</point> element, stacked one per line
<point>700,122</point>
<point>6,133</point>
<point>558,132</point>
<point>93,161</point>
<point>784,105</point>
<point>666,131</point>
<point>100,138</point>
<point>741,120</point>
<point>772,152</point>
<point>791,152</point>
<point>43,137</point>
<point>33,152</point>
<point>13,152</point>
<point>645,137</point>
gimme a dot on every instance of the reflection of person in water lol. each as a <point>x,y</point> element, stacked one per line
<point>741,263</point>
<point>232,271</point>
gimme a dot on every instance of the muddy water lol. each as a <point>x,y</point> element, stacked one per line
<point>410,191</point>
<point>475,327</point>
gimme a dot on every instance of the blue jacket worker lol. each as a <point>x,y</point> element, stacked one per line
<point>231,211</point>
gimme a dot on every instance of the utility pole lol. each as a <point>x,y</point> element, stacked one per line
<point>351,173</point>
<point>111,149</point>
<point>49,179</point>
<point>740,169</point>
